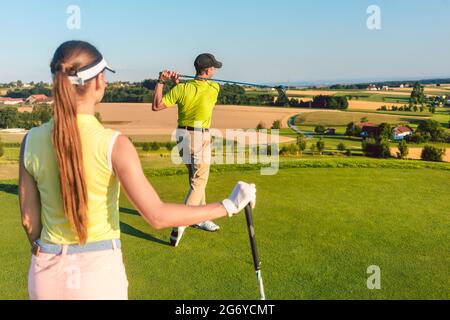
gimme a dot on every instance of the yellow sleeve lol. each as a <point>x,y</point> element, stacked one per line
<point>172,98</point>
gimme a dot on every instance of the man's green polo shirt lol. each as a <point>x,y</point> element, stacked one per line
<point>196,100</point>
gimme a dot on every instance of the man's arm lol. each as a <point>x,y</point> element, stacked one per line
<point>164,76</point>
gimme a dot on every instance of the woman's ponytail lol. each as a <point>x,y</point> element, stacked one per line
<point>69,156</point>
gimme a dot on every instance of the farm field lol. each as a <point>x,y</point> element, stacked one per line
<point>316,241</point>
<point>338,118</point>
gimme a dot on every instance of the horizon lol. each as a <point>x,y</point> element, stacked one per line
<point>305,42</point>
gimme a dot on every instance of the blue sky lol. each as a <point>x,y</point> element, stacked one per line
<point>257,40</point>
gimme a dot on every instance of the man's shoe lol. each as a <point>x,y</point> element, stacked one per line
<point>207,226</point>
<point>175,236</point>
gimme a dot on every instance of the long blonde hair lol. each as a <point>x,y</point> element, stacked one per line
<point>68,59</point>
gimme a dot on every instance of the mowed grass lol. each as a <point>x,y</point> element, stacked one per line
<point>318,230</point>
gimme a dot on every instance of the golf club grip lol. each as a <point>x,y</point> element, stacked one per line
<point>251,233</point>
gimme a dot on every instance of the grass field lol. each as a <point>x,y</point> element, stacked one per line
<point>317,235</point>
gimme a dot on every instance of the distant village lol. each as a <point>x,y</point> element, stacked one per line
<point>31,100</point>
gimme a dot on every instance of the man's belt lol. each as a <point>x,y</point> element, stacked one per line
<point>193,129</point>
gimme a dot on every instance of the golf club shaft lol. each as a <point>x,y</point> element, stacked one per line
<point>256,262</point>
<point>229,82</point>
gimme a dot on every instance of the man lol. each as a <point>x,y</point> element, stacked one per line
<point>196,100</point>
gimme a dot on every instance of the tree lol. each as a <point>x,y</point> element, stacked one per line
<point>341,147</point>
<point>403,150</point>
<point>320,129</point>
<point>154,146</point>
<point>276,125</point>
<point>384,132</point>
<point>432,128</point>
<point>430,153</point>
<point>320,146</point>
<point>9,117</point>
<point>348,153</point>
<point>313,148</point>
<point>353,130</point>
<point>418,94</point>
<point>301,143</point>
<point>261,126</point>
<point>376,149</point>
<point>146,147</point>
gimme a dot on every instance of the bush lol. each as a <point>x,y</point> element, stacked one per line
<point>418,138</point>
<point>301,143</point>
<point>154,146</point>
<point>276,125</point>
<point>430,153</point>
<point>348,153</point>
<point>376,149</point>
<point>291,149</point>
<point>146,147</point>
<point>313,148</point>
<point>261,126</point>
<point>320,146</point>
<point>170,145</point>
<point>320,129</point>
<point>403,150</point>
<point>353,130</point>
<point>341,147</point>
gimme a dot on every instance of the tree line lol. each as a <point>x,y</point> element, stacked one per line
<point>10,117</point>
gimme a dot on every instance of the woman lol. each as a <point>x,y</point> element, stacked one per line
<point>71,169</point>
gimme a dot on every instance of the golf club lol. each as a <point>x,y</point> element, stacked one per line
<point>256,261</point>
<point>236,82</point>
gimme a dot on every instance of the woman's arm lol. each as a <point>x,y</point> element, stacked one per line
<point>30,203</point>
<point>128,169</point>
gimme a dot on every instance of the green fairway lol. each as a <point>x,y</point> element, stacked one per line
<point>318,230</point>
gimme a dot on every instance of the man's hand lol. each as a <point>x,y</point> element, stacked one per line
<point>167,75</point>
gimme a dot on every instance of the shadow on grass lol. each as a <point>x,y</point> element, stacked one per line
<point>129,211</point>
<point>9,188</point>
<point>131,231</point>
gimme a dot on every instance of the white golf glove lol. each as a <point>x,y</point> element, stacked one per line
<point>242,195</point>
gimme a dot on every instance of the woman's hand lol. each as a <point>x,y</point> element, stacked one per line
<point>242,195</point>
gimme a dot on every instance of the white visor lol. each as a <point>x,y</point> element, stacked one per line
<point>90,72</point>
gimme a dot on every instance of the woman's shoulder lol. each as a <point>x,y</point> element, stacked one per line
<point>43,129</point>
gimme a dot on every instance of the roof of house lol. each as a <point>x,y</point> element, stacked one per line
<point>368,125</point>
<point>10,99</point>
<point>39,96</point>
<point>402,129</point>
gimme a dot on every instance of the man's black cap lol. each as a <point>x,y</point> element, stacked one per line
<point>205,61</point>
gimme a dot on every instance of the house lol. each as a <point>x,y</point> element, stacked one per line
<point>37,98</point>
<point>386,88</point>
<point>399,133</point>
<point>368,129</point>
<point>330,132</point>
<point>11,101</point>
<point>372,87</point>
